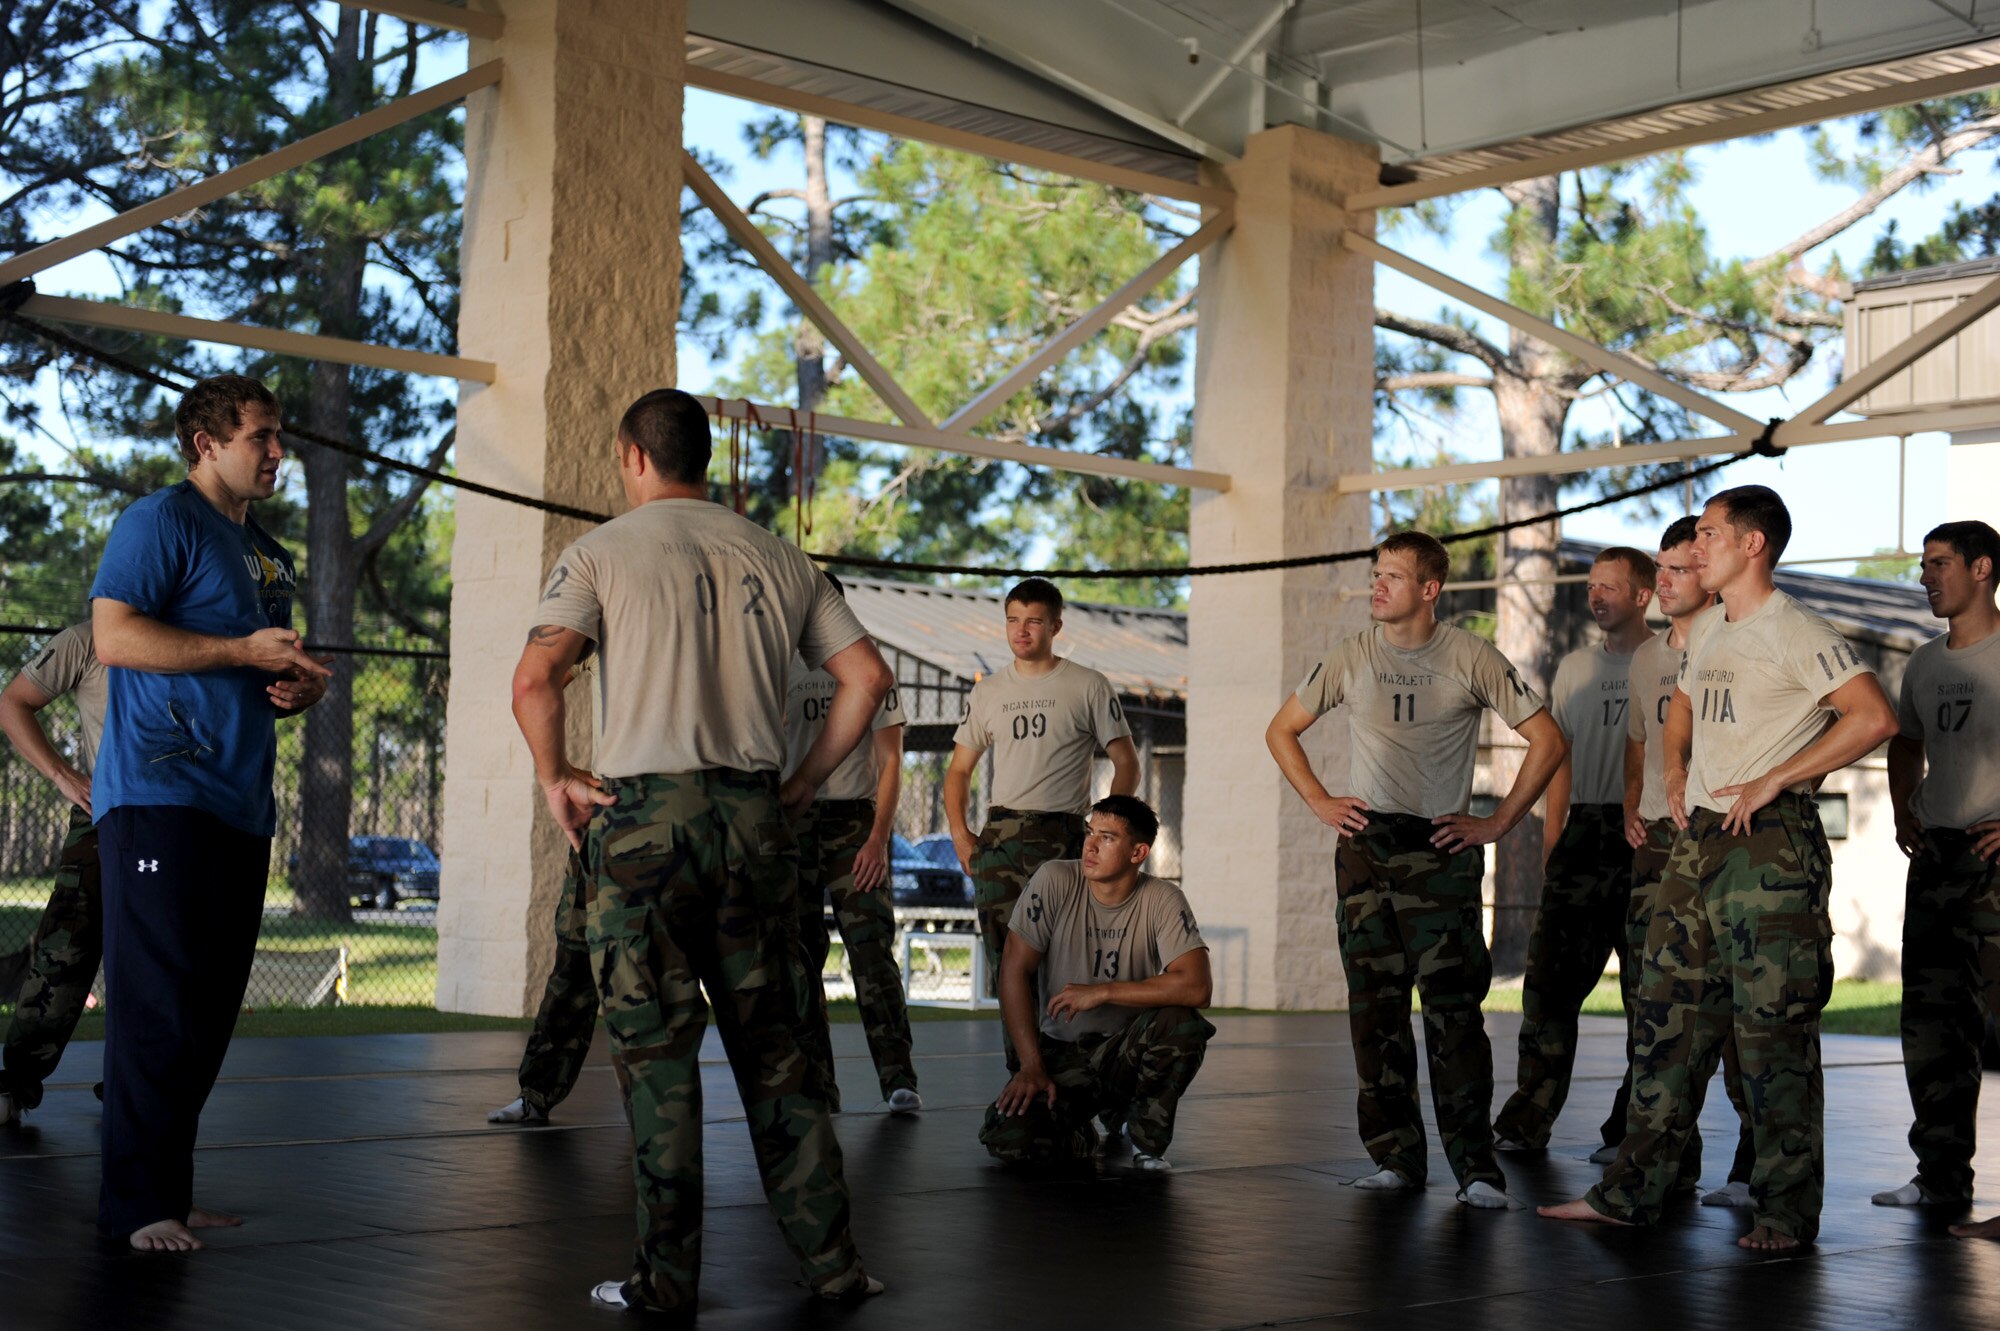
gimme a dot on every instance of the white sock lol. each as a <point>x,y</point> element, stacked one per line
<point>1140,1160</point>
<point>1910,1194</point>
<point>868,1288</point>
<point>1604,1155</point>
<point>517,1110</point>
<point>1729,1194</point>
<point>1484,1196</point>
<point>903,1100</point>
<point>1383,1180</point>
<point>610,1293</point>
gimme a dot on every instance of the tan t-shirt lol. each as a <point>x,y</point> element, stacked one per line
<point>1591,701</point>
<point>1655,672</point>
<point>1416,714</point>
<point>806,702</point>
<point>1042,733</point>
<point>1756,687</point>
<point>696,613</point>
<point>1082,942</point>
<point>68,664</point>
<point>1951,703</point>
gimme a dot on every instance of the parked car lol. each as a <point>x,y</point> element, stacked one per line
<point>918,879</point>
<point>382,870</point>
<point>937,848</point>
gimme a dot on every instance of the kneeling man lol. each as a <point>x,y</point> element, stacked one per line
<point>1102,975</point>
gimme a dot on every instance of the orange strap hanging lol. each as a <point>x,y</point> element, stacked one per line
<point>805,483</point>
<point>739,456</point>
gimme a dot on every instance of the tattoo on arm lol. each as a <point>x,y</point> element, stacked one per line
<point>543,635</point>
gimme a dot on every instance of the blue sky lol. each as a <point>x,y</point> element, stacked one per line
<point>1752,195</point>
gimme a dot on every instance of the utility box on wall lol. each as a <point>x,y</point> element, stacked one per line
<point>1883,311</point>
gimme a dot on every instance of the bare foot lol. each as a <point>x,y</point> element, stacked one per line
<point>1579,1210</point>
<point>1983,1229</point>
<point>200,1219</point>
<point>1765,1238</point>
<point>164,1236</point>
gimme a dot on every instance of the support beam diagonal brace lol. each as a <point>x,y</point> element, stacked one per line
<point>1611,362</point>
<point>946,441</point>
<point>1243,52</point>
<point>746,234</point>
<point>1074,336</point>
<point>223,184</point>
<point>309,346</point>
<point>1896,359</point>
<point>1673,450</point>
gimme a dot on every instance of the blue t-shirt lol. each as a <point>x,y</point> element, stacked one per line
<point>205,740</point>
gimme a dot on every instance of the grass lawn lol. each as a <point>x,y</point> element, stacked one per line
<point>392,983</point>
<point>1858,1007</point>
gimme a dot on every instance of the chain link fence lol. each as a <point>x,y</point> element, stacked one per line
<point>350,913</point>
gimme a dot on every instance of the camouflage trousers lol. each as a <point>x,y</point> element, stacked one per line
<point>1586,896</point>
<point>1137,1075</point>
<point>1740,936</point>
<point>1951,984</point>
<point>1649,865</point>
<point>1012,845</point>
<point>566,1021</point>
<point>830,836</point>
<point>63,957</point>
<point>1410,919</point>
<point>697,892</point>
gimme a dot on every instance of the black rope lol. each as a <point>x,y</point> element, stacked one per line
<point>12,296</point>
<point>1296,561</point>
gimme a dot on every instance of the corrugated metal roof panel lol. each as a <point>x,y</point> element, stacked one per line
<point>1143,652</point>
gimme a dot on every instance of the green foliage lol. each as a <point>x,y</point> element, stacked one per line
<point>1887,566</point>
<point>111,105</point>
<point>953,269</point>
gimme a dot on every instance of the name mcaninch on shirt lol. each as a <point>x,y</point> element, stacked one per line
<point>1026,703</point>
<point>1406,681</point>
<point>1712,675</point>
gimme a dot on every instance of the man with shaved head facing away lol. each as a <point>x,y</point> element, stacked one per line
<point>695,615</point>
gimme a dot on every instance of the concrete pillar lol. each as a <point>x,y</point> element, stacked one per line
<point>1972,479</point>
<point>1283,403</point>
<point>571,285</point>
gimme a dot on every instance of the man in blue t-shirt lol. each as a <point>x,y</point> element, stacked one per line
<point>192,610</point>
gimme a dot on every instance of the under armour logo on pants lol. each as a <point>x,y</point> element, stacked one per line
<point>149,866</point>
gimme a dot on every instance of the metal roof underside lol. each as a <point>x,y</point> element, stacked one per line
<point>1142,652</point>
<point>1479,84</point>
